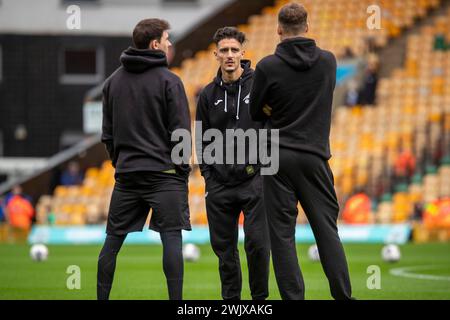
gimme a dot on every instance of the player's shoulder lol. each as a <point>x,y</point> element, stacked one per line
<point>207,91</point>
<point>328,56</point>
<point>170,75</point>
<point>267,62</point>
<point>112,77</point>
<point>208,88</point>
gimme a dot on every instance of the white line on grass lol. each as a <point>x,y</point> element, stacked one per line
<point>406,272</point>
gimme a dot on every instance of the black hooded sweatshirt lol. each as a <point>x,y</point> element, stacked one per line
<point>224,106</point>
<point>143,103</point>
<point>297,82</point>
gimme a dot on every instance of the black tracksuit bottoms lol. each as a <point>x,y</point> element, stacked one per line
<point>223,206</point>
<point>307,178</point>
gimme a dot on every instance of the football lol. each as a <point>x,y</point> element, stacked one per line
<point>391,253</point>
<point>39,252</point>
<point>313,253</point>
<point>191,252</point>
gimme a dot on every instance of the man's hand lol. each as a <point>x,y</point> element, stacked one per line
<point>267,110</point>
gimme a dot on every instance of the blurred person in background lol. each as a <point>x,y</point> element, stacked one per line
<point>3,224</point>
<point>352,94</point>
<point>19,213</point>
<point>368,89</point>
<point>348,53</point>
<point>404,167</point>
<point>72,175</point>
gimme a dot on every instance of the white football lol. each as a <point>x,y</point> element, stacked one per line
<point>39,252</point>
<point>191,252</point>
<point>313,253</point>
<point>391,253</point>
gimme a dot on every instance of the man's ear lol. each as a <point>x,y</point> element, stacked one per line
<point>279,30</point>
<point>154,45</point>
<point>242,53</point>
<point>215,55</point>
<point>307,27</point>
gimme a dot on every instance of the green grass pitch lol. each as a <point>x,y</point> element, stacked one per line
<point>139,273</point>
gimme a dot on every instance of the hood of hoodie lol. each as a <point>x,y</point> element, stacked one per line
<point>245,64</point>
<point>300,53</point>
<point>139,60</point>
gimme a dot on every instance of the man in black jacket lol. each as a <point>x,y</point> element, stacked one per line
<point>293,89</point>
<point>143,104</point>
<point>233,187</point>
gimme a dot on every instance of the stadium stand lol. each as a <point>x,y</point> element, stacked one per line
<point>408,127</point>
<point>411,116</point>
<point>336,25</point>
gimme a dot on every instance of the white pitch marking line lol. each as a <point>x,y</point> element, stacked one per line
<point>406,273</point>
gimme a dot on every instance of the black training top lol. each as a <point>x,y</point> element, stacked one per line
<point>224,106</point>
<point>297,82</point>
<point>143,103</point>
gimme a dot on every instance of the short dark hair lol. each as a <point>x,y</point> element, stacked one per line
<point>148,30</point>
<point>293,18</point>
<point>229,33</point>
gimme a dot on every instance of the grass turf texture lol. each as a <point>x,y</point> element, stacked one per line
<point>139,273</point>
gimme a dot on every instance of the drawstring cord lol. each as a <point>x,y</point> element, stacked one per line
<point>225,101</point>
<point>239,102</point>
<point>225,109</point>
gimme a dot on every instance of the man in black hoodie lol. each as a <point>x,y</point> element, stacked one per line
<point>293,90</point>
<point>233,187</point>
<point>143,104</point>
